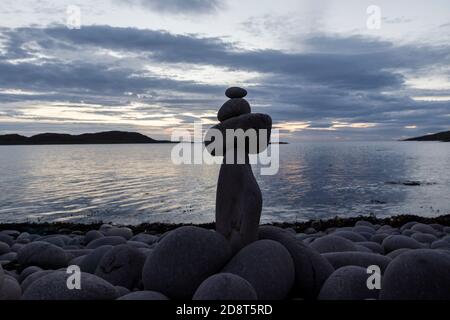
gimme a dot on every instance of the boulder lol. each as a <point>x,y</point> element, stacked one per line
<point>373,246</point>
<point>144,295</point>
<point>4,248</point>
<point>53,286</point>
<point>311,269</point>
<point>424,237</point>
<point>267,266</point>
<point>225,286</point>
<point>395,242</point>
<point>91,261</point>
<point>145,238</point>
<point>123,232</point>
<point>350,235</point>
<point>417,275</point>
<point>348,283</point>
<point>183,259</point>
<point>28,271</point>
<point>332,243</point>
<point>122,266</point>
<point>394,254</point>
<point>235,92</point>
<point>10,289</point>
<point>110,240</point>
<point>360,259</point>
<point>92,235</point>
<point>233,108</point>
<point>42,254</point>
<point>424,228</point>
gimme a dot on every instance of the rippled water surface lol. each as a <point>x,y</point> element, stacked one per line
<point>130,184</point>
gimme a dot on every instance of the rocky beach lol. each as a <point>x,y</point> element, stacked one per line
<point>311,260</point>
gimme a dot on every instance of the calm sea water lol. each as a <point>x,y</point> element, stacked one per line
<point>130,184</point>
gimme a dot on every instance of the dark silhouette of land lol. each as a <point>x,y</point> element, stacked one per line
<point>108,137</point>
<point>441,136</point>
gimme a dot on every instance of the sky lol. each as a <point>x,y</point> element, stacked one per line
<point>323,70</point>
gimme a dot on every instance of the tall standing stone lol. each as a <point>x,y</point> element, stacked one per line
<point>238,198</point>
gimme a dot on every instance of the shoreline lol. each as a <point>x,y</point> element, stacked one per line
<point>45,228</point>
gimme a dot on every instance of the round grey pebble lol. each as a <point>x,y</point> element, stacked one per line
<point>233,108</point>
<point>332,243</point>
<point>225,286</point>
<point>53,286</point>
<point>417,275</point>
<point>144,295</point>
<point>183,259</point>
<point>267,266</point>
<point>42,254</point>
<point>395,242</point>
<point>235,92</point>
<point>90,261</point>
<point>360,259</point>
<point>311,269</point>
<point>122,266</point>
<point>92,235</point>
<point>347,283</point>
<point>110,240</point>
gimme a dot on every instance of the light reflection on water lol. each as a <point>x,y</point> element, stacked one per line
<point>130,184</point>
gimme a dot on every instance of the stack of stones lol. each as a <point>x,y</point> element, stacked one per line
<point>238,198</point>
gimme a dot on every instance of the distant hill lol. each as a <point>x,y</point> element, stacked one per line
<point>441,136</point>
<point>109,137</point>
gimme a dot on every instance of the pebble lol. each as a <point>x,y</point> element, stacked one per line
<point>10,289</point>
<point>225,286</point>
<point>311,269</point>
<point>267,266</point>
<point>110,240</point>
<point>122,266</point>
<point>144,295</point>
<point>235,92</point>
<point>395,242</point>
<point>42,254</point>
<point>53,286</point>
<point>91,260</point>
<point>183,259</point>
<point>233,108</point>
<point>360,259</point>
<point>347,283</point>
<point>417,275</point>
<point>332,243</point>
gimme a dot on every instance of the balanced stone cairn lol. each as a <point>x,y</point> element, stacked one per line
<point>238,197</point>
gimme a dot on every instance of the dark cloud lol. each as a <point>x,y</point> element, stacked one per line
<point>347,79</point>
<point>177,6</point>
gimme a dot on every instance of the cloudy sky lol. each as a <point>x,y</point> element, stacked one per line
<point>317,67</point>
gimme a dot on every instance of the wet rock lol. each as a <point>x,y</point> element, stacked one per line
<point>424,228</point>
<point>363,223</point>
<point>267,266</point>
<point>347,283</point>
<point>54,287</point>
<point>183,259</point>
<point>379,237</point>
<point>6,239</point>
<point>121,291</point>
<point>417,275</point>
<point>440,244</point>
<point>33,277</point>
<point>122,266</point>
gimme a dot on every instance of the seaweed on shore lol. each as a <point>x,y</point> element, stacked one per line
<point>160,228</point>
